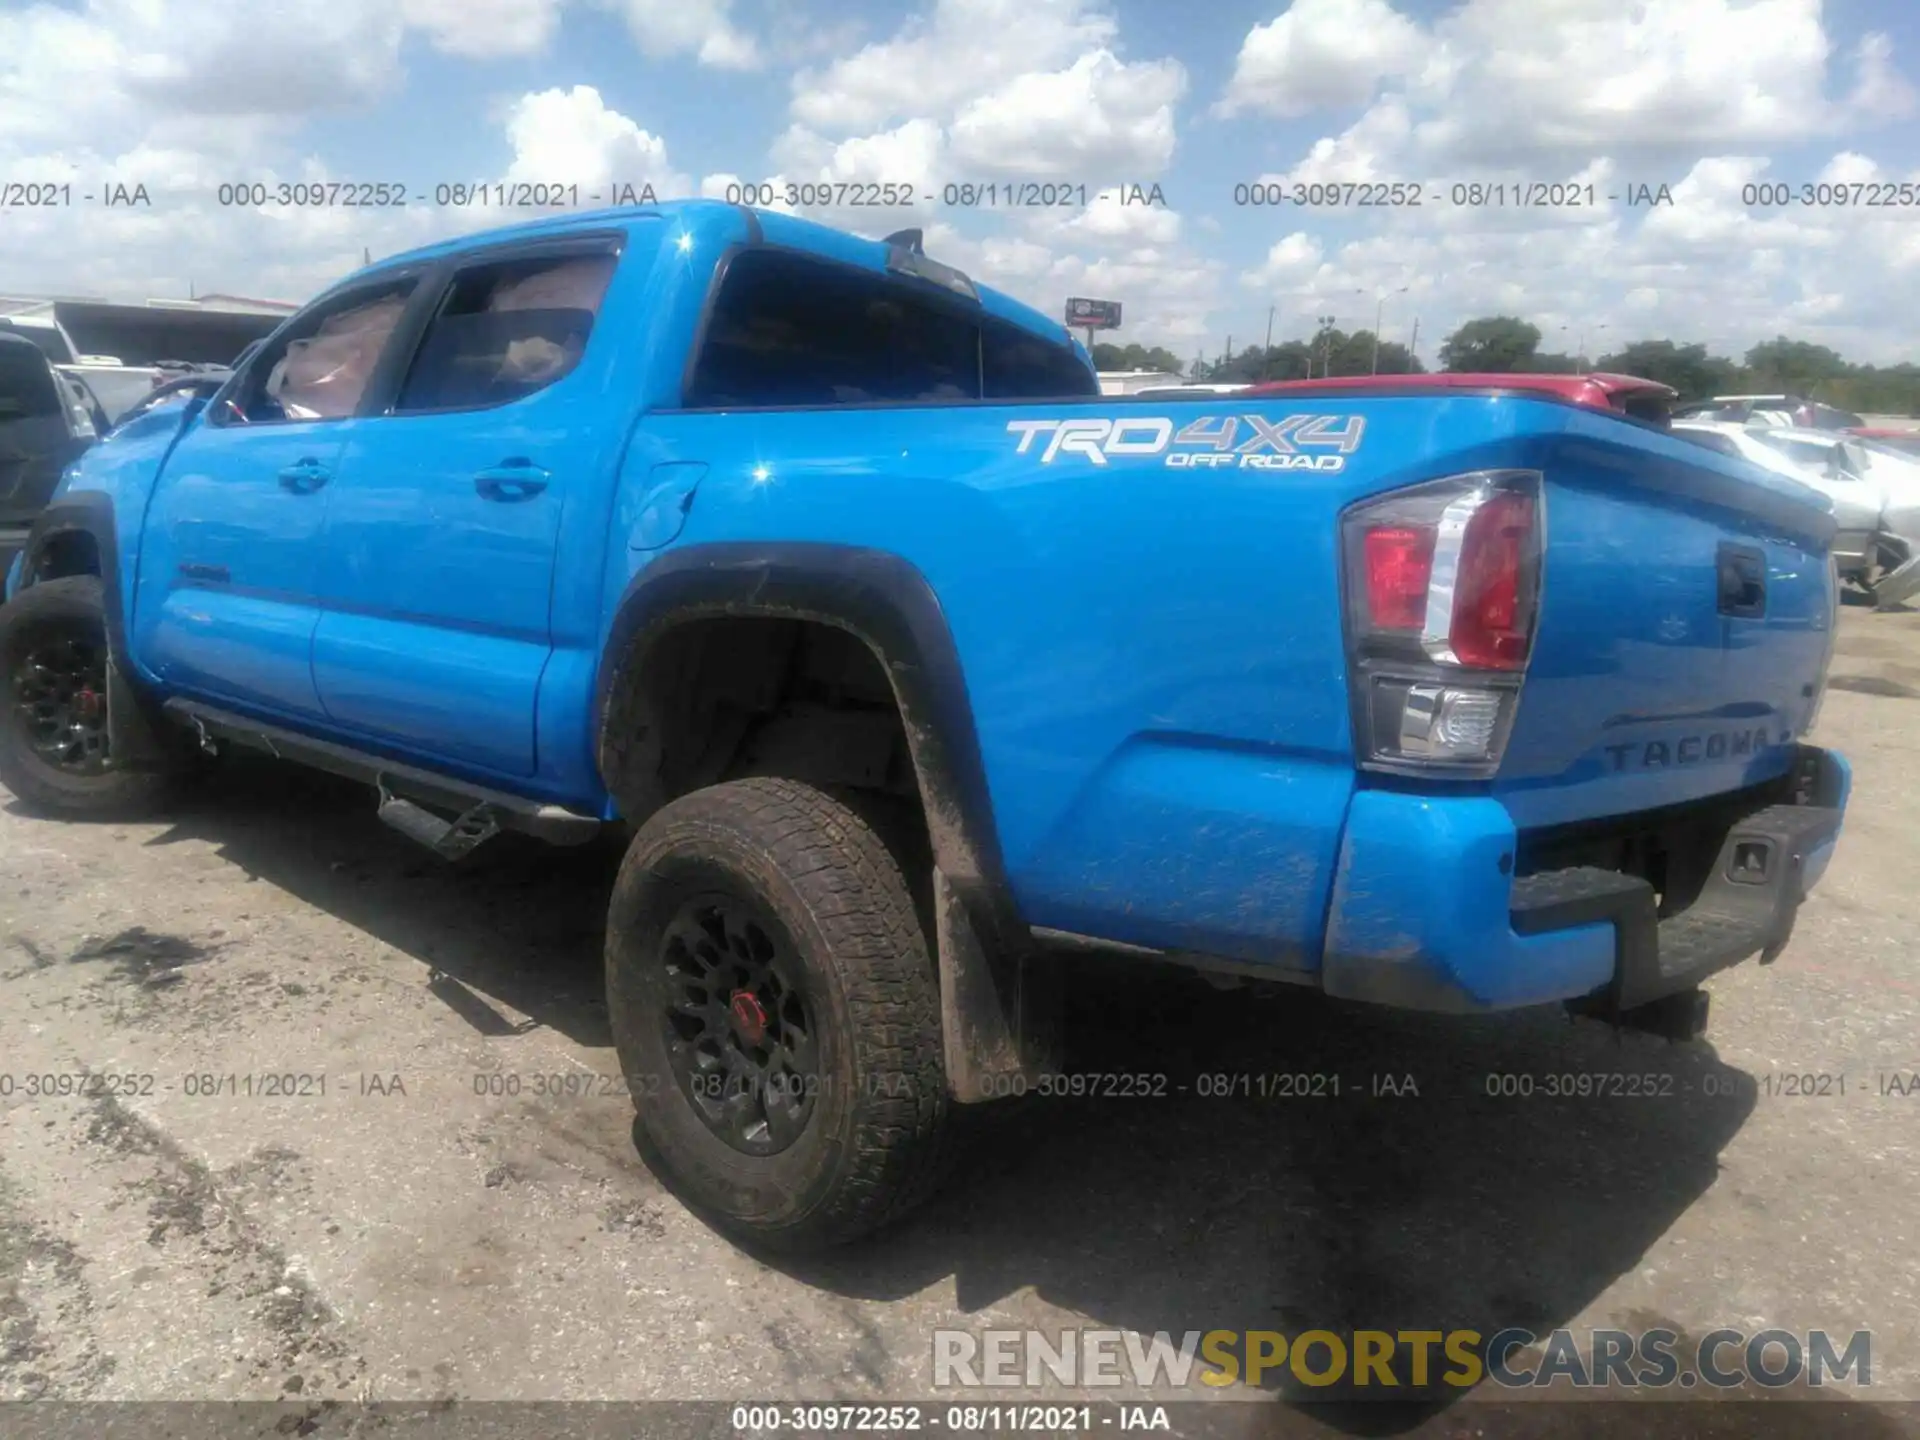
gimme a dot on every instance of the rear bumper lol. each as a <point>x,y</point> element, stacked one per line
<point>1426,915</point>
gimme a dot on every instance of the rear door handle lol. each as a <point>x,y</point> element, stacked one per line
<point>515,480</point>
<point>305,476</point>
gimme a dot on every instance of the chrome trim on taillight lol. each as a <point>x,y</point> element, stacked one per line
<point>1402,684</point>
<point>1436,631</point>
<point>1450,535</point>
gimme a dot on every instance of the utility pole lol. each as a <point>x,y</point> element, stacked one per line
<point>1413,346</point>
<point>1379,315</point>
<point>1266,351</point>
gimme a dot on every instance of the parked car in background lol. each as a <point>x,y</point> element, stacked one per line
<point>1629,395</point>
<point>1904,442</point>
<point>1795,410</point>
<point>202,384</point>
<point>117,387</point>
<point>1895,473</point>
<point>46,421</point>
<point>1182,392</point>
<point>46,334</point>
<point>1876,507</point>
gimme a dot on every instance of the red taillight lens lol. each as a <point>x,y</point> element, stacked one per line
<point>1440,592</point>
<point>1399,560</point>
<point>1492,604</point>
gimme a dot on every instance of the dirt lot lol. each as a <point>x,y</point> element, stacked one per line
<point>460,1212</point>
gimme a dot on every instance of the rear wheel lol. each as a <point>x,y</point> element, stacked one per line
<point>55,754</point>
<point>777,1014</point>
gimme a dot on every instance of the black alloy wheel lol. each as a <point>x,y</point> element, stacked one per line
<point>739,1032</point>
<point>60,702</point>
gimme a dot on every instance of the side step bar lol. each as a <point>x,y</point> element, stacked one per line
<point>408,795</point>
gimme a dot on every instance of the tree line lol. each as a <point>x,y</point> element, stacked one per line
<point>1507,343</point>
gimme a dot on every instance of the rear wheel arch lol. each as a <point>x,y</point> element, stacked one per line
<point>879,600</point>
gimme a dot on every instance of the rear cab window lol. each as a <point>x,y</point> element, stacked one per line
<point>789,329</point>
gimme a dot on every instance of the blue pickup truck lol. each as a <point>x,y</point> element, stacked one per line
<point>909,664</point>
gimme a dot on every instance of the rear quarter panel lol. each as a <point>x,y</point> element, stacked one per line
<point>1154,654</point>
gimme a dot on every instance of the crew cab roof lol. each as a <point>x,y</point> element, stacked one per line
<point>712,226</point>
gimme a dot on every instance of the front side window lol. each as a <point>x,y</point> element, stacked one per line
<point>506,330</point>
<point>319,367</point>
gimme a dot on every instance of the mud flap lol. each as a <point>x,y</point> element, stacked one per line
<point>136,739</point>
<point>1000,1011</point>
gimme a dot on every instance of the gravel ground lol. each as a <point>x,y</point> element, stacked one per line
<point>450,1208</point>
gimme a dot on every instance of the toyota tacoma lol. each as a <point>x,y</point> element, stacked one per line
<point>910,663</point>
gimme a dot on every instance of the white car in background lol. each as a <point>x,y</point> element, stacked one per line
<point>1186,392</point>
<point>1874,491</point>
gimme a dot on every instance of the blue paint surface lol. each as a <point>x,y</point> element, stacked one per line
<point>1153,655</point>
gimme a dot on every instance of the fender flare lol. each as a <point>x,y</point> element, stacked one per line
<point>882,600</point>
<point>135,724</point>
<point>86,512</point>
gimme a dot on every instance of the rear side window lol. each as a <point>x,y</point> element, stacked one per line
<point>1016,365</point>
<point>792,330</point>
<point>506,330</point>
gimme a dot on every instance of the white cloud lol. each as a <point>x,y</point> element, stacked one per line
<point>571,137</point>
<point>1369,150</point>
<point>1513,82</point>
<point>1108,221</point>
<point>935,64</point>
<point>1098,117</point>
<point>1319,54</point>
<point>987,91</point>
<point>485,29</point>
<point>107,74</point>
<point>1291,262</point>
<point>703,29</point>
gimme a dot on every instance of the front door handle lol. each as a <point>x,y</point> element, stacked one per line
<point>514,480</point>
<point>305,476</point>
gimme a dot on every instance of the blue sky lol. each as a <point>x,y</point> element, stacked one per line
<point>1707,96</point>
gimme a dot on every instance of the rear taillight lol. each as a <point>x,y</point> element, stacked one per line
<point>1442,594</point>
<point>1399,568</point>
<point>1492,623</point>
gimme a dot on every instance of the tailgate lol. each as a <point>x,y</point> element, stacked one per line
<point>1686,619</point>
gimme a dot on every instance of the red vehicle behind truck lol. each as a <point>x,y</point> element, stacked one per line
<point>1628,395</point>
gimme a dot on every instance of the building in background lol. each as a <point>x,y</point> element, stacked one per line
<point>209,330</point>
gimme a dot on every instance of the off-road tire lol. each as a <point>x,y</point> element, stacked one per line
<point>72,606</point>
<point>876,1141</point>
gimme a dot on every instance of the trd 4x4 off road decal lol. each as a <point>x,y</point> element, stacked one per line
<point>1241,442</point>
